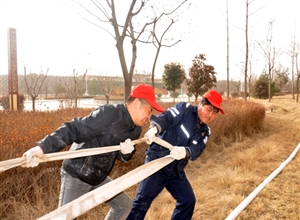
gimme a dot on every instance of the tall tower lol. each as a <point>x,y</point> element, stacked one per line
<point>12,70</point>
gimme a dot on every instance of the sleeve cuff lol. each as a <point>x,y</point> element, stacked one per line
<point>157,126</point>
<point>188,153</point>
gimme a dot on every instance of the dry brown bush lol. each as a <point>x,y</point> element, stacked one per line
<point>247,144</point>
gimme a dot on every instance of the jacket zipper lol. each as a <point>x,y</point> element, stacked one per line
<point>85,163</point>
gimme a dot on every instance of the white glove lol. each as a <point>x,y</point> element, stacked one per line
<point>178,153</point>
<point>126,147</point>
<point>150,134</point>
<point>32,156</point>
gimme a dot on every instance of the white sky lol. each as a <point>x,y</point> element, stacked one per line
<point>51,34</point>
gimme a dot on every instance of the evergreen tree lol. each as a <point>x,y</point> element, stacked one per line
<point>173,77</point>
<point>202,77</point>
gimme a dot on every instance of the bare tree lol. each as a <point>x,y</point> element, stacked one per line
<point>158,41</point>
<point>33,84</point>
<point>238,87</point>
<point>280,76</point>
<point>107,85</point>
<point>298,85</point>
<point>107,15</point>
<point>48,85</point>
<point>246,62</point>
<point>78,84</point>
<point>239,76</point>
<point>247,50</point>
<point>293,53</point>
<point>72,88</point>
<point>298,73</point>
<point>142,76</point>
<point>270,54</point>
<point>252,63</point>
<point>227,85</point>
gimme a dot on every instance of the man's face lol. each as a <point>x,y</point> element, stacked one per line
<point>207,113</point>
<point>142,112</point>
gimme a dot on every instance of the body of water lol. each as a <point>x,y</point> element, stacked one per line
<point>53,104</point>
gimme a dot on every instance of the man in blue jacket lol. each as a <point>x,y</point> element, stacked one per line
<point>185,127</point>
<point>108,125</point>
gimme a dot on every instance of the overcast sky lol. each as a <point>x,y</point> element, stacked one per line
<point>51,34</point>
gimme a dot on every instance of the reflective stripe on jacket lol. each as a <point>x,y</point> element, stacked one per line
<point>179,126</point>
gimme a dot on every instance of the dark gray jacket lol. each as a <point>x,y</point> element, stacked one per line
<point>108,125</point>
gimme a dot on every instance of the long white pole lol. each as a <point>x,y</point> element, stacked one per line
<point>248,199</point>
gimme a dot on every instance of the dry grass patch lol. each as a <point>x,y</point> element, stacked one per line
<point>247,144</point>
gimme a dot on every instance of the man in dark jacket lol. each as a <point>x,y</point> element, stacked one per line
<point>185,127</point>
<point>108,125</point>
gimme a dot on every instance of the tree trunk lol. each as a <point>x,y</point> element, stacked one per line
<point>127,75</point>
<point>153,68</point>
<point>247,49</point>
<point>107,99</point>
<point>174,95</point>
<point>227,85</point>
<point>33,103</point>
<point>196,99</point>
<point>293,81</point>
<point>297,98</point>
<point>269,86</point>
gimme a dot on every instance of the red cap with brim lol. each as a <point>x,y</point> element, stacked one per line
<point>215,99</point>
<point>146,92</point>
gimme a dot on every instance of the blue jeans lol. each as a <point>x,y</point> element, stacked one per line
<point>179,188</point>
<point>72,188</point>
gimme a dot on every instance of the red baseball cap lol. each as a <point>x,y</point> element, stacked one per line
<point>215,99</point>
<point>145,91</point>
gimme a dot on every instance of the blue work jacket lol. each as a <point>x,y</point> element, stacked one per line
<point>180,126</point>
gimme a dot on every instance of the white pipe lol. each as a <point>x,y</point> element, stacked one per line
<point>247,200</point>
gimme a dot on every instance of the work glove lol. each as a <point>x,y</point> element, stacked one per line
<point>178,153</point>
<point>126,147</point>
<point>32,156</point>
<point>150,134</point>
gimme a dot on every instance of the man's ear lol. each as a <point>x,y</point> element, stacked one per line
<point>136,103</point>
